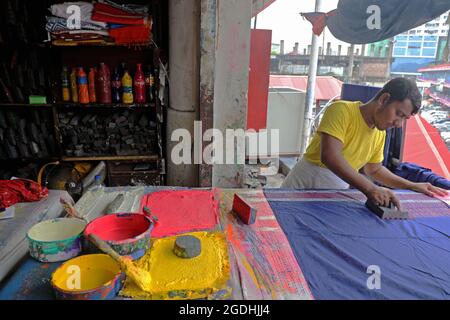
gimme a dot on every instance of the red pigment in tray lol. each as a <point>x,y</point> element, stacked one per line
<point>118,227</point>
<point>180,211</point>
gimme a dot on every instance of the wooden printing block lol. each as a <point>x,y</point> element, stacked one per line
<point>187,247</point>
<point>3,120</point>
<point>386,213</point>
<point>245,212</point>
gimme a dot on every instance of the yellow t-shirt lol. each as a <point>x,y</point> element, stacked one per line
<point>361,144</point>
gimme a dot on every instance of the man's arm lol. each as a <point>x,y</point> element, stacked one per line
<point>331,156</point>
<point>382,175</point>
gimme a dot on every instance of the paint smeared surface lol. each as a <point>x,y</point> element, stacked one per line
<point>182,211</point>
<point>266,265</point>
<point>177,278</point>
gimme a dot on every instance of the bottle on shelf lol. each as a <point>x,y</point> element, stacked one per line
<point>83,88</point>
<point>103,84</point>
<point>121,69</point>
<point>65,84</point>
<point>139,85</point>
<point>73,85</point>
<point>149,83</point>
<point>116,85</point>
<point>91,79</point>
<point>127,88</point>
<point>96,185</point>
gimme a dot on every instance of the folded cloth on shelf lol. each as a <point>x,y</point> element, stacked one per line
<point>132,8</point>
<point>55,24</point>
<point>108,13</point>
<point>131,35</point>
<point>20,190</point>
<point>80,33</point>
<point>60,10</point>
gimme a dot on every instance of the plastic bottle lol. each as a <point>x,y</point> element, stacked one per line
<point>103,84</point>
<point>83,88</point>
<point>149,83</point>
<point>139,85</point>
<point>97,184</point>
<point>73,85</point>
<point>116,85</point>
<point>91,78</point>
<point>65,84</point>
<point>127,88</point>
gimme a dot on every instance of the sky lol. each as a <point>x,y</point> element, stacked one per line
<point>284,19</point>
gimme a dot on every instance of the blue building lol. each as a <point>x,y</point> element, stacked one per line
<point>417,48</point>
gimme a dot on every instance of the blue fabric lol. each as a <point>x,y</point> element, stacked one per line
<point>335,243</point>
<point>352,22</point>
<point>416,173</point>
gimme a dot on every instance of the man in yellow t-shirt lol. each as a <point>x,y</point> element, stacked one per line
<point>351,137</point>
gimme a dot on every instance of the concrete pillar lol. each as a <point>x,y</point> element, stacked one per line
<point>231,80</point>
<point>296,48</point>
<point>320,51</point>
<point>363,50</point>
<point>380,51</point>
<point>309,49</point>
<point>328,48</point>
<point>357,51</point>
<point>339,50</point>
<point>282,47</point>
<point>351,52</point>
<point>184,84</point>
<point>304,51</point>
<point>207,73</point>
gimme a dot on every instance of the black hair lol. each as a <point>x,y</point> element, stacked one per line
<point>401,89</point>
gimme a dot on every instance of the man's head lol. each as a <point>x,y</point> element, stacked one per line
<point>396,102</point>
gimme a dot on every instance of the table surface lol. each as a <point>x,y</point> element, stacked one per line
<point>263,265</point>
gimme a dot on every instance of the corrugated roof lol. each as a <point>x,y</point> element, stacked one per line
<point>327,87</point>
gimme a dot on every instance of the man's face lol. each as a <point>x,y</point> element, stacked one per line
<point>393,114</point>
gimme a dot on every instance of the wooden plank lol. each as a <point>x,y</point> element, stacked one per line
<point>112,158</point>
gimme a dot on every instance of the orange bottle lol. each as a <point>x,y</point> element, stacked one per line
<point>83,91</point>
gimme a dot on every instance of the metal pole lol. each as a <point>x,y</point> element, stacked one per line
<point>310,89</point>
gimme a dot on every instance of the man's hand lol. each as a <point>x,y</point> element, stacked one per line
<point>429,189</point>
<point>382,196</point>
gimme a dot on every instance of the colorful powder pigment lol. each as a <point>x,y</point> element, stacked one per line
<point>180,211</point>
<point>176,278</point>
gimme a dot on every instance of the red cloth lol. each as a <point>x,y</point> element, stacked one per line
<point>20,190</point>
<point>318,20</point>
<point>131,35</point>
<point>105,13</point>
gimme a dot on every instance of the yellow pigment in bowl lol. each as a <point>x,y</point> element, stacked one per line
<point>94,270</point>
<point>177,278</point>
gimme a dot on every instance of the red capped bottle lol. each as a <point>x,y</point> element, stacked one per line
<point>139,85</point>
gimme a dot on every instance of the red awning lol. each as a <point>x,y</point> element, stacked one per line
<point>425,147</point>
<point>327,87</point>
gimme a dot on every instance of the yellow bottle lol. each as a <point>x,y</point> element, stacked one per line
<point>127,88</point>
<point>73,85</point>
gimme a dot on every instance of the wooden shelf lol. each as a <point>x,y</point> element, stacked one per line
<point>112,158</point>
<point>22,105</point>
<point>109,106</point>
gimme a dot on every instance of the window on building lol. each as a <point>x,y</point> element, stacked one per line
<point>428,52</point>
<point>400,44</point>
<point>430,38</point>
<point>415,38</point>
<point>429,44</point>
<point>399,51</point>
<point>414,44</point>
<point>400,38</point>
<point>413,51</point>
